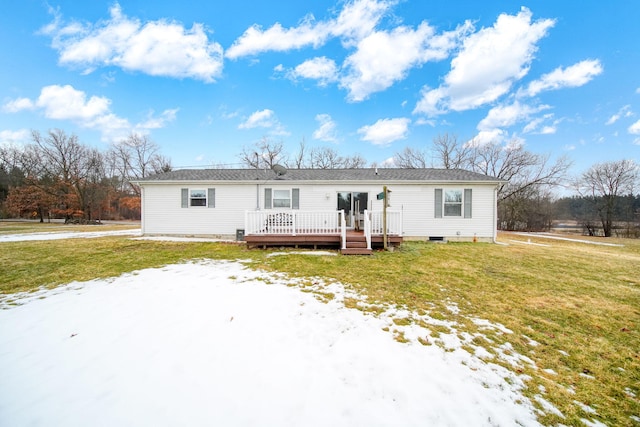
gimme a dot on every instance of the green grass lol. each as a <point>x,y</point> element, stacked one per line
<point>574,309</point>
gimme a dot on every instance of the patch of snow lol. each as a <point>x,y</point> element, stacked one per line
<point>548,406</point>
<point>592,423</point>
<point>27,237</point>
<point>530,341</point>
<point>586,408</point>
<point>529,242</point>
<point>483,323</point>
<point>215,343</point>
<point>567,239</point>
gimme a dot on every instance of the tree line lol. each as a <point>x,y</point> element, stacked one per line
<point>527,196</point>
<point>57,176</point>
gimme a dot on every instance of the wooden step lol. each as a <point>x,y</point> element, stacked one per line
<point>356,251</point>
<point>352,244</point>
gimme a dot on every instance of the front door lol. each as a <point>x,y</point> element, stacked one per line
<point>354,204</point>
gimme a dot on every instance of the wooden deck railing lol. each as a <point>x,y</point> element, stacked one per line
<point>293,222</point>
<point>297,222</point>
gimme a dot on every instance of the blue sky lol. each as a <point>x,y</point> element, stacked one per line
<point>368,77</point>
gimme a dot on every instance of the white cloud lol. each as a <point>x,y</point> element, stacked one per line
<point>385,131</point>
<point>327,130</point>
<point>548,130</point>
<point>537,125</point>
<point>574,76</point>
<point>488,64</point>
<point>493,136</point>
<point>158,48</point>
<point>623,112</point>
<point>635,128</point>
<point>158,122</point>
<point>384,57</point>
<point>507,115</point>
<point>67,103</point>
<point>276,38</point>
<point>11,137</point>
<point>17,105</point>
<point>322,69</point>
<point>264,119</point>
<point>357,19</point>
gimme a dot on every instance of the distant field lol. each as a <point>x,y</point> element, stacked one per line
<point>572,308</point>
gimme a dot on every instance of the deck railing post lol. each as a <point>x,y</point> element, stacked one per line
<point>294,217</point>
<point>343,229</point>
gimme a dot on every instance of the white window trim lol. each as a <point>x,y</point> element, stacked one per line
<point>202,197</point>
<point>287,199</point>
<point>459,204</point>
<point>208,196</point>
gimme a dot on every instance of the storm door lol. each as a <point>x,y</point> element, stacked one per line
<point>354,204</point>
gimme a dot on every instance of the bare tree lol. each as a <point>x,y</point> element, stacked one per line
<point>450,153</point>
<point>63,167</point>
<point>520,169</point>
<point>138,157</point>
<point>325,158</point>
<point>411,158</point>
<point>298,161</point>
<point>263,154</point>
<point>354,162</point>
<point>604,183</point>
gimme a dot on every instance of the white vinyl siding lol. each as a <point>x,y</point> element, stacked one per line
<point>417,203</point>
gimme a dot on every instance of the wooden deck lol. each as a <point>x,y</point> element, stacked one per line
<point>356,242</point>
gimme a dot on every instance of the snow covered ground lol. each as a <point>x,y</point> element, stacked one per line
<point>216,343</point>
<point>66,235</point>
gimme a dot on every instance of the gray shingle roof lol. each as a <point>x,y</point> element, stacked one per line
<point>382,175</point>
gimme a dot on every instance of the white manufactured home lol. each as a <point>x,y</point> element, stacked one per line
<point>315,206</point>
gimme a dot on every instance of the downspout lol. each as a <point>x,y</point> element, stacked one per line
<point>495,214</point>
<point>142,210</point>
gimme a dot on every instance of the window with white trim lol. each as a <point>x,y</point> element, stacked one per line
<point>454,202</point>
<point>198,197</point>
<point>281,198</point>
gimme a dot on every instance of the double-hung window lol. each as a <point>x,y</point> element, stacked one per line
<point>453,202</point>
<point>194,197</point>
<point>282,198</point>
<point>197,198</point>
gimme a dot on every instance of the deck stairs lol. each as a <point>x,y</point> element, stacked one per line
<point>356,243</point>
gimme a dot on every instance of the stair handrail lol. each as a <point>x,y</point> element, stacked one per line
<point>367,228</point>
